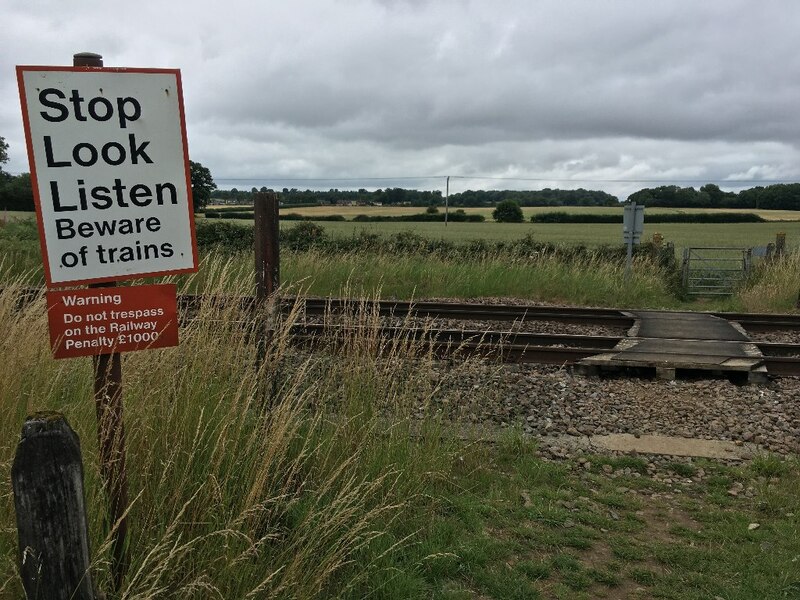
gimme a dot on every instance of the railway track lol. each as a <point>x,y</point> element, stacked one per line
<point>521,347</point>
<point>760,322</point>
<point>756,322</point>
<point>511,346</point>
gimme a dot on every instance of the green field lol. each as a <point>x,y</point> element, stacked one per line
<point>590,234</point>
<point>407,273</point>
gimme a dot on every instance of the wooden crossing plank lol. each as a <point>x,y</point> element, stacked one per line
<point>666,342</point>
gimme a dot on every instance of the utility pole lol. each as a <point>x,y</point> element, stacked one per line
<point>446,199</point>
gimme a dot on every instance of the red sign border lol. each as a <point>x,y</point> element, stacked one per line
<point>35,181</point>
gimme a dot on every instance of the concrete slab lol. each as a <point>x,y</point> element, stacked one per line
<point>664,445</point>
<point>673,446</point>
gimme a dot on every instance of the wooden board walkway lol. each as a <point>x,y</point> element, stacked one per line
<point>693,343</point>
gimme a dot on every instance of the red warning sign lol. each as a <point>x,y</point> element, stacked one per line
<point>113,319</point>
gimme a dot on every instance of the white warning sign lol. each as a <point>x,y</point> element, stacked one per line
<point>109,165</point>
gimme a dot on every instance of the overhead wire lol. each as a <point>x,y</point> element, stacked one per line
<point>505,178</point>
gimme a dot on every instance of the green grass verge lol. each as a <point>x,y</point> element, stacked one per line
<point>511,526</point>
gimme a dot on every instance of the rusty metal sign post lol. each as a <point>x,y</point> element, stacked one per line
<point>110,423</point>
<point>632,229</point>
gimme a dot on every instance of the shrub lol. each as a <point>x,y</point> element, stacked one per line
<point>230,214</point>
<point>304,236</point>
<point>229,237</point>
<point>564,217</point>
<point>234,208</point>
<point>24,229</point>
<point>508,211</point>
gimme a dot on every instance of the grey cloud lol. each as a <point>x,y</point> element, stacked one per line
<point>551,90</point>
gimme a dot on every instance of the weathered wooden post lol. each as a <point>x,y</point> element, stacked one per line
<point>267,248</point>
<point>780,244</point>
<point>47,479</point>
<point>266,237</point>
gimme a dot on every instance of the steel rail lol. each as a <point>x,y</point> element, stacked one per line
<point>522,347</point>
<point>476,312</point>
<point>782,365</point>
<point>756,322</point>
<point>778,349</point>
<point>466,336</point>
<point>761,323</point>
<point>506,346</point>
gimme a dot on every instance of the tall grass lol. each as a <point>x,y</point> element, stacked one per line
<point>773,285</point>
<point>546,278</point>
<point>285,479</point>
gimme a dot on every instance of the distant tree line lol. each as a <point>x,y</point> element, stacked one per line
<point>785,196</point>
<point>401,196</point>
<point>16,192</point>
<point>293,196</point>
<point>545,197</point>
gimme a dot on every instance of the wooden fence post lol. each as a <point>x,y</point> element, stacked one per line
<point>780,243</point>
<point>266,239</point>
<point>47,479</point>
<point>266,232</point>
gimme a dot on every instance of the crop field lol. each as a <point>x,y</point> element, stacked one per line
<point>589,234</point>
<point>348,212</point>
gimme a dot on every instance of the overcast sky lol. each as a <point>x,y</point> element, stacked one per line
<point>601,94</point>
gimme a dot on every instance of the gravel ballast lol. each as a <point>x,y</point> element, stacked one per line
<point>550,401</point>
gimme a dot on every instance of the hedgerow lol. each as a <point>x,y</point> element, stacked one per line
<point>564,217</point>
<point>306,236</point>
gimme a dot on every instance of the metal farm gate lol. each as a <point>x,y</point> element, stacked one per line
<point>714,271</point>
